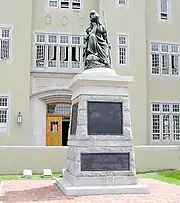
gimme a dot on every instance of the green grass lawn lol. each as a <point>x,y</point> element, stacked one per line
<point>34,177</point>
<point>170,176</point>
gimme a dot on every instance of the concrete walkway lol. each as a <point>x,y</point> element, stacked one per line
<point>46,191</point>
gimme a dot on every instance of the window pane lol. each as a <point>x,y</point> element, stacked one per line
<point>3,116</point>
<point>52,55</point>
<point>64,56</point>
<point>155,63</point>
<point>40,55</point>
<point>166,127</point>
<point>165,48</point>
<point>176,127</point>
<point>76,4</point>
<point>61,109</point>
<point>175,64</point>
<point>64,39</point>
<point>53,3</point>
<point>40,38</point>
<point>176,108</point>
<point>165,64</point>
<point>122,55</point>
<point>52,38</point>
<point>3,102</point>
<point>64,3</point>
<point>156,127</point>
<point>76,40</point>
<point>154,47</point>
<point>166,108</point>
<point>122,2</point>
<point>122,40</point>
<point>6,33</point>
<point>5,49</point>
<point>155,107</point>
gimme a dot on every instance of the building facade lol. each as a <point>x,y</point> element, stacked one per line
<point>41,44</point>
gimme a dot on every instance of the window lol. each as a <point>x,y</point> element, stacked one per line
<point>59,51</point>
<point>76,4</point>
<point>165,59</point>
<point>165,121</point>
<point>164,9</point>
<point>122,2</point>
<point>61,109</point>
<point>4,104</point>
<point>123,49</point>
<point>53,3</point>
<point>65,4</point>
<point>5,43</point>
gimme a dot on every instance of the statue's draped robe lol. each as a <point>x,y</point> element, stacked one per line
<point>96,43</point>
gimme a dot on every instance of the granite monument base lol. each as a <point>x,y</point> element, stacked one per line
<point>100,149</point>
<point>69,190</point>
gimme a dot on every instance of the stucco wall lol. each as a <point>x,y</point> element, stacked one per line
<point>15,159</point>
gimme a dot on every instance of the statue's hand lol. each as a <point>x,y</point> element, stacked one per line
<point>109,45</point>
<point>85,38</point>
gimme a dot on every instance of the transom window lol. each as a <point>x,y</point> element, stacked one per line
<point>122,2</point>
<point>61,109</point>
<point>164,9</point>
<point>59,51</point>
<point>65,4</point>
<point>5,43</point>
<point>4,105</point>
<point>123,50</point>
<point>165,59</point>
<point>165,122</point>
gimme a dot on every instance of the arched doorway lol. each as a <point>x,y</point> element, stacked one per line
<point>57,123</point>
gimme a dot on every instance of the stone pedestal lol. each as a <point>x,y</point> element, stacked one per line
<point>100,149</point>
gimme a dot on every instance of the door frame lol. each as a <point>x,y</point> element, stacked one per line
<point>56,115</point>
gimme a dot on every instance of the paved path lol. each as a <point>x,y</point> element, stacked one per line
<point>46,191</point>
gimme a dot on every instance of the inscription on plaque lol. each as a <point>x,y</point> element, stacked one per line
<point>105,118</point>
<point>74,119</point>
<point>105,161</point>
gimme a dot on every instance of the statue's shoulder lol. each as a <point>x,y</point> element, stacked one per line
<point>103,27</point>
<point>89,28</point>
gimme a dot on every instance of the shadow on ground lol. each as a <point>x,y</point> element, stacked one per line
<point>46,193</point>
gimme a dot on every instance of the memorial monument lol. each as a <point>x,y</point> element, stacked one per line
<point>100,149</point>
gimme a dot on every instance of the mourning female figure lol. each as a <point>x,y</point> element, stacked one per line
<point>97,46</point>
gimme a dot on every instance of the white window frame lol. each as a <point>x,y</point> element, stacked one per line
<point>120,4</point>
<point>126,46</point>
<point>3,27</point>
<point>167,12</point>
<point>161,114</point>
<point>170,53</point>
<point>7,108</point>
<point>70,4</point>
<point>58,67</point>
<point>56,1</point>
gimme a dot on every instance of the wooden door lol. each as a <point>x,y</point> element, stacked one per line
<point>54,131</point>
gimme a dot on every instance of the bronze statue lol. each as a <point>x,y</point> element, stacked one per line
<point>97,46</point>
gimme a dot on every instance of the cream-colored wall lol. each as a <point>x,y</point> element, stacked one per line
<point>123,20</point>
<point>147,158</point>
<point>161,88</point>
<point>162,30</point>
<point>40,10</point>
<point>14,77</point>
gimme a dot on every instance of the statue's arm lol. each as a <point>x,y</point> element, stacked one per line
<point>105,37</point>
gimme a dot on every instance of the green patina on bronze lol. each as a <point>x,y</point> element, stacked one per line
<point>97,46</point>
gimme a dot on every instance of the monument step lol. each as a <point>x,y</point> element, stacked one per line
<point>70,190</point>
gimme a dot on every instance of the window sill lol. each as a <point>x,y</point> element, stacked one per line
<point>56,70</point>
